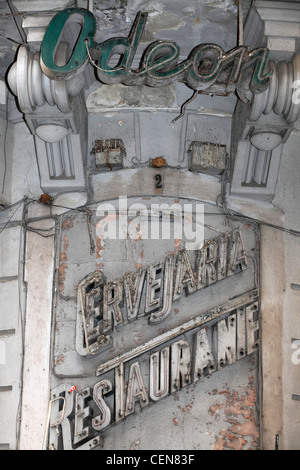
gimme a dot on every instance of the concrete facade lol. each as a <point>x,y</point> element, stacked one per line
<point>126,141</point>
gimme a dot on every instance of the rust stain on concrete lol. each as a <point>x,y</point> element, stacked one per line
<point>139,234</point>
<point>186,409</point>
<point>59,359</point>
<point>63,264</point>
<point>99,247</point>
<point>177,243</point>
<point>135,445</point>
<point>67,224</point>
<point>241,415</point>
<point>139,265</point>
<point>158,162</point>
<point>138,337</point>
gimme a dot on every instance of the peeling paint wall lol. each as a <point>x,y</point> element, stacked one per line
<point>241,414</point>
<point>216,412</point>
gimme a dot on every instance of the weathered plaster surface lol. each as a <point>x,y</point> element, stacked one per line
<point>110,96</point>
<point>39,278</point>
<point>225,418</point>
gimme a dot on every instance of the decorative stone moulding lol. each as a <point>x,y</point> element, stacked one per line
<point>257,145</point>
<point>263,123</point>
<point>278,97</point>
<point>255,171</point>
<point>33,89</point>
<point>60,147</point>
<point>49,117</point>
<point>60,164</point>
<point>265,140</point>
<point>275,25</point>
<point>50,110</point>
<point>51,132</point>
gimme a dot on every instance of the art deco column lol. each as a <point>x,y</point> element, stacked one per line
<point>54,111</point>
<point>263,127</point>
<point>262,123</point>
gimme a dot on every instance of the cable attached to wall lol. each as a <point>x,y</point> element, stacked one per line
<point>240,43</point>
<point>91,6</point>
<point>182,111</point>
<point>241,23</point>
<point>239,4</point>
<point>17,20</point>
<point>4,146</point>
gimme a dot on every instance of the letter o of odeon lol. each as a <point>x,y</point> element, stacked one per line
<point>200,80</point>
<point>53,37</point>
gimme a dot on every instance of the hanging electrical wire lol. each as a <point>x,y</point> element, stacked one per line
<point>18,204</point>
<point>239,4</point>
<point>182,111</point>
<point>4,145</point>
<point>91,6</point>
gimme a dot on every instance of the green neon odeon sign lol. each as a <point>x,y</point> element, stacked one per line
<point>203,69</point>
